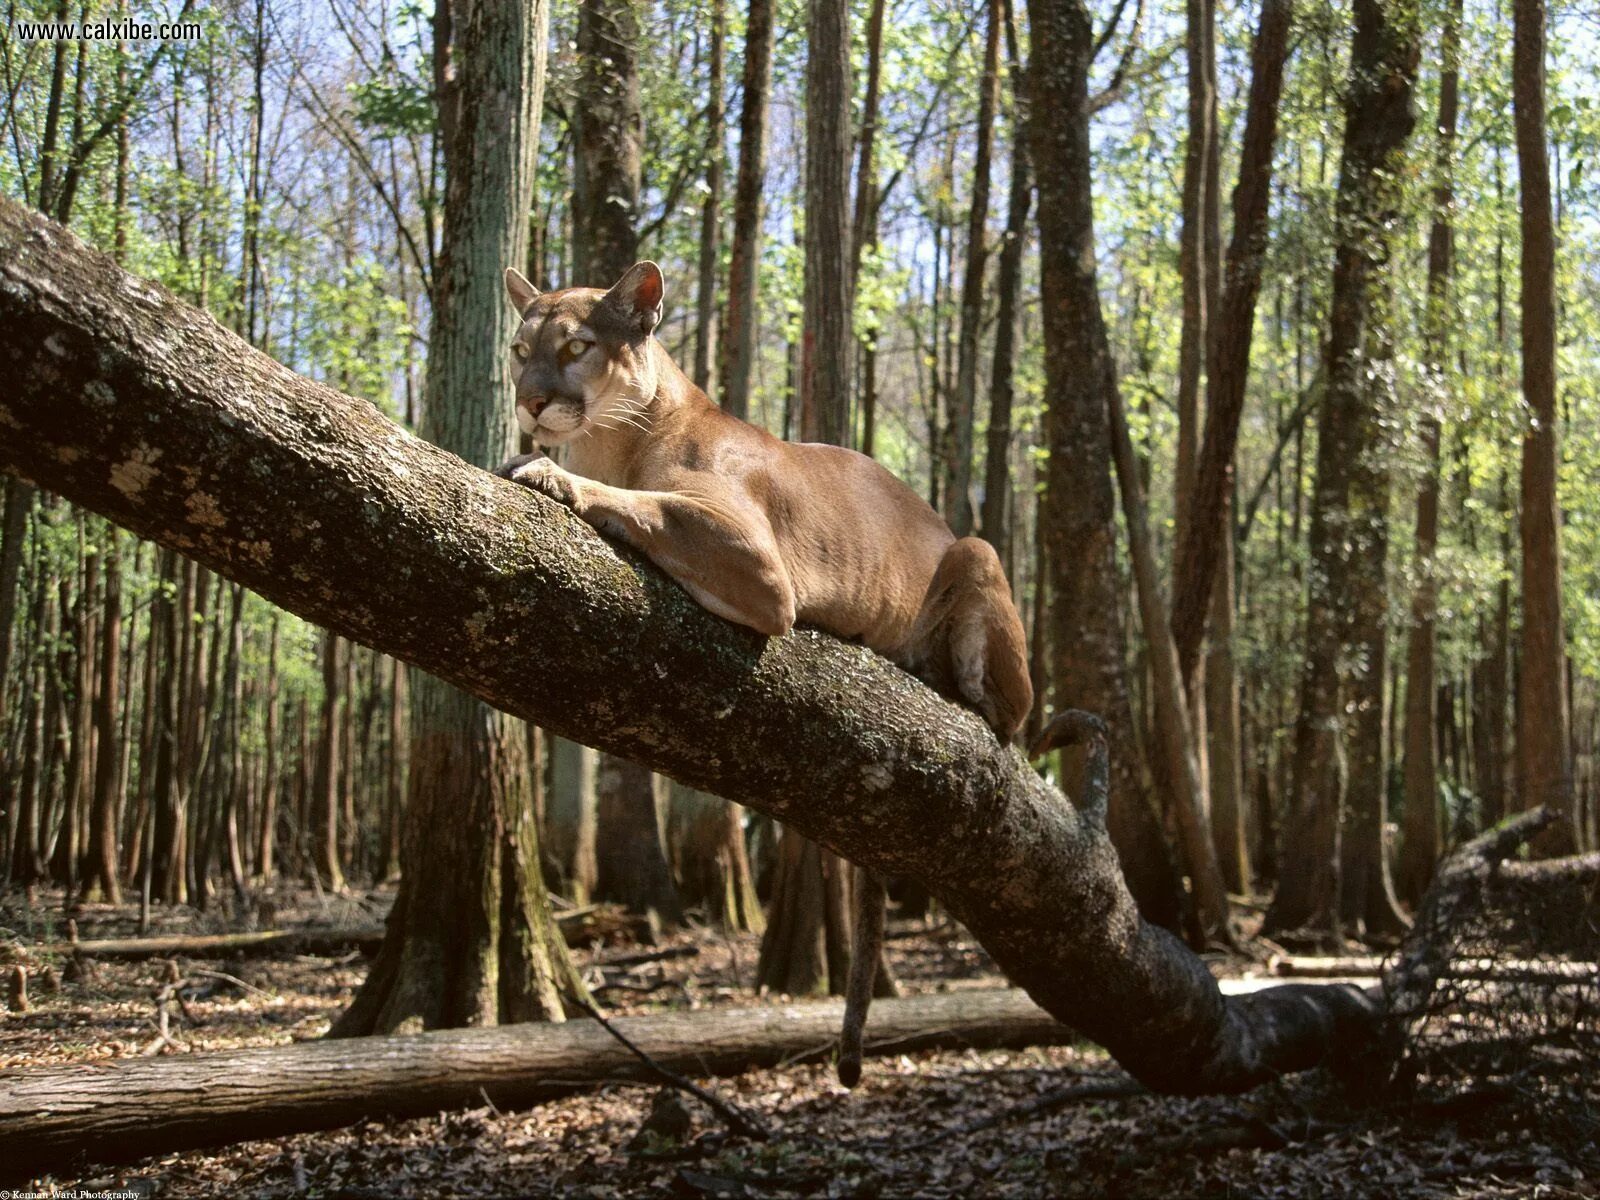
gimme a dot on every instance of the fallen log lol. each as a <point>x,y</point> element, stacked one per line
<point>584,927</point>
<point>311,940</point>
<point>62,1118</point>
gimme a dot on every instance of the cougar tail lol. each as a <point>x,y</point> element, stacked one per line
<point>968,641</point>
<point>866,947</point>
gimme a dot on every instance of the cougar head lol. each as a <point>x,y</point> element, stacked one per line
<point>581,356</point>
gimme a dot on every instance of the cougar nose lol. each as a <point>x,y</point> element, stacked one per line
<point>533,404</point>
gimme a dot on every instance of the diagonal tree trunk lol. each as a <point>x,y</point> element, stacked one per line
<point>349,521</point>
<point>1195,559</point>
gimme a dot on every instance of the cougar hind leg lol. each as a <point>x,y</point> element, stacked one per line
<point>866,948</point>
<point>968,642</point>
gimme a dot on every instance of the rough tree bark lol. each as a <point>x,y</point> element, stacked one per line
<point>1195,562</point>
<point>806,947</point>
<point>1544,762</point>
<point>744,253</point>
<point>1335,862</point>
<point>826,323</point>
<point>705,327</point>
<point>608,135</point>
<point>995,518</point>
<point>348,520</point>
<point>138,1107</point>
<point>706,837</point>
<point>470,939</point>
<point>631,864</point>
<point>1421,839</point>
<point>1078,515</point>
<point>957,489</point>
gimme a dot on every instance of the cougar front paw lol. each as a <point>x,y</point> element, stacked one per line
<point>543,476</point>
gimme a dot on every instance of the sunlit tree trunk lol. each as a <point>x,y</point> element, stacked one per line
<point>740,325</point>
<point>470,939</point>
<point>958,508</point>
<point>1544,762</point>
<point>1077,516</point>
<point>806,947</point>
<point>1334,864</point>
<point>996,517</point>
<point>1421,836</point>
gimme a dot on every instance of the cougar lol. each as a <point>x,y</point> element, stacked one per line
<point>760,531</point>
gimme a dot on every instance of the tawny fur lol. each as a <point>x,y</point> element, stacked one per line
<point>758,530</point>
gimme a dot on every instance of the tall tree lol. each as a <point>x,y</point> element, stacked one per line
<point>1421,835</point>
<point>1197,553</point>
<point>864,222</point>
<point>705,326</point>
<point>996,518</point>
<point>1544,756</point>
<point>632,866</point>
<point>1078,515</point>
<point>828,303</point>
<point>806,947</point>
<point>957,489</point>
<point>470,940</point>
<point>1335,864</point>
<point>608,136</point>
<point>740,325</point>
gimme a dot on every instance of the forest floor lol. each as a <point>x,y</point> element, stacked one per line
<point>934,1124</point>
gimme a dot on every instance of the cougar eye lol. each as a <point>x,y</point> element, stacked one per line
<point>574,349</point>
<point>520,351</point>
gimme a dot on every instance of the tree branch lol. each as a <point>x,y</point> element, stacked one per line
<point>121,398</point>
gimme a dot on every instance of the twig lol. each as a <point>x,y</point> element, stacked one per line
<point>233,979</point>
<point>635,960</point>
<point>740,1122</point>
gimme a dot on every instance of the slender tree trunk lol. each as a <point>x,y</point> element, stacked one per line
<point>1225,752</point>
<point>329,743</point>
<point>1340,786</point>
<point>740,325</point>
<point>1421,836</point>
<point>958,510</point>
<point>1196,553</point>
<point>570,818</point>
<point>271,772</point>
<point>100,867</point>
<point>825,331</point>
<point>995,519</point>
<point>705,333</point>
<point>1077,516</point>
<point>1544,762</point>
<point>13,534</point>
<point>864,223</point>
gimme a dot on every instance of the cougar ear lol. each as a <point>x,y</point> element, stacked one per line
<point>522,292</point>
<point>636,297</point>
